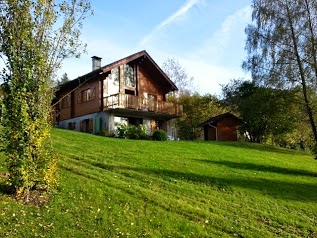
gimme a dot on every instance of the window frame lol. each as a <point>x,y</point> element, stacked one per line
<point>88,94</point>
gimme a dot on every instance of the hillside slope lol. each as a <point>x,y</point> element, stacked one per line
<point>127,188</point>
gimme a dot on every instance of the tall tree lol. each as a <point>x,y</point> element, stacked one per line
<point>282,48</point>
<point>178,75</point>
<point>266,112</point>
<point>35,37</point>
<point>196,109</point>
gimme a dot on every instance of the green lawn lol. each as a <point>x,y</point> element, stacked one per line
<point>128,188</point>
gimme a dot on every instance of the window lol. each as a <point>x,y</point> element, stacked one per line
<point>152,96</point>
<point>113,82</point>
<point>120,120</point>
<point>66,101</point>
<point>88,94</point>
<point>130,92</point>
<point>129,76</point>
<point>71,125</point>
<point>158,125</point>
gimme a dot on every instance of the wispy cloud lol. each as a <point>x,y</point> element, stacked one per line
<point>231,28</point>
<point>180,12</point>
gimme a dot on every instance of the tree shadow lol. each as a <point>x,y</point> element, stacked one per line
<point>296,191</point>
<point>260,147</point>
<point>261,167</point>
<point>5,189</point>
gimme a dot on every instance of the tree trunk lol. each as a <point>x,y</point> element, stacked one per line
<point>303,82</point>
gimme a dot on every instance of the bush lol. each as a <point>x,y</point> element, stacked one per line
<point>132,132</point>
<point>159,135</point>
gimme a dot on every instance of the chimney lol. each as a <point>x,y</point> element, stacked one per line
<point>96,62</point>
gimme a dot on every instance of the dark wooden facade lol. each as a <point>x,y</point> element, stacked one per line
<point>143,96</point>
<point>222,127</point>
<point>73,104</point>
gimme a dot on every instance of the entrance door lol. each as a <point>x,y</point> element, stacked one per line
<point>212,133</point>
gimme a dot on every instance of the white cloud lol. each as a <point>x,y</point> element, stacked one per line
<point>204,63</point>
<point>180,12</point>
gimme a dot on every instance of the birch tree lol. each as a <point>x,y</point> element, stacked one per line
<point>35,37</point>
<point>179,76</point>
<point>282,49</point>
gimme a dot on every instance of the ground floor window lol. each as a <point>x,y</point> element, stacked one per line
<point>135,121</point>
<point>158,125</point>
<point>120,120</point>
<point>127,120</point>
<point>71,125</point>
<point>86,125</point>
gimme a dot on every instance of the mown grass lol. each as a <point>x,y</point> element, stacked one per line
<point>126,188</point>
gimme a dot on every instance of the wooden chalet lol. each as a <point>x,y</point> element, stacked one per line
<point>131,90</point>
<point>222,127</point>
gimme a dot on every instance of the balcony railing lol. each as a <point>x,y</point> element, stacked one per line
<point>126,101</point>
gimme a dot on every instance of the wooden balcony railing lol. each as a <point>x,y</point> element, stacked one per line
<point>126,101</point>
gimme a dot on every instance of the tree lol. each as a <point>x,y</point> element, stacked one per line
<point>35,37</point>
<point>178,75</point>
<point>266,112</point>
<point>63,79</point>
<point>282,49</point>
<point>196,109</point>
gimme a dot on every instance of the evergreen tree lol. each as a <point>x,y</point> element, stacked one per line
<point>63,79</point>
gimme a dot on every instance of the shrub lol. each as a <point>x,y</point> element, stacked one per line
<point>122,130</point>
<point>159,135</point>
<point>132,132</point>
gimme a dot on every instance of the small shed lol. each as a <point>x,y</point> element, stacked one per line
<point>222,127</point>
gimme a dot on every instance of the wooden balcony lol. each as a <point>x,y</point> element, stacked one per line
<point>126,101</point>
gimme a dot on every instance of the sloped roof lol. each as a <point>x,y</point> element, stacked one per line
<point>218,118</point>
<point>142,55</point>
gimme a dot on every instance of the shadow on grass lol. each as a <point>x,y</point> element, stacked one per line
<point>260,147</point>
<point>6,189</point>
<point>261,167</point>
<point>296,191</point>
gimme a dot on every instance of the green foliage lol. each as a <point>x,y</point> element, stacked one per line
<point>159,135</point>
<point>33,47</point>
<point>282,50</point>
<point>196,109</point>
<point>266,112</point>
<point>128,131</point>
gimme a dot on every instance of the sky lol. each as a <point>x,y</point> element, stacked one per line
<point>205,36</point>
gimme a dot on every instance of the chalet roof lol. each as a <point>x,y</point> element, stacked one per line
<point>142,56</point>
<point>215,119</point>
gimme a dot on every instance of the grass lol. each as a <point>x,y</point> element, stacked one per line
<point>126,188</point>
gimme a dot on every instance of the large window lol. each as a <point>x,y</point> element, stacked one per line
<point>113,82</point>
<point>129,79</point>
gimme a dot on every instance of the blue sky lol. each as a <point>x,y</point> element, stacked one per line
<point>205,36</point>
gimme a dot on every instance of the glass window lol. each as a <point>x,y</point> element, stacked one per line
<point>88,94</point>
<point>129,76</point>
<point>113,82</point>
<point>66,101</point>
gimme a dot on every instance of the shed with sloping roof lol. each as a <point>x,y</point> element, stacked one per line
<point>222,127</point>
